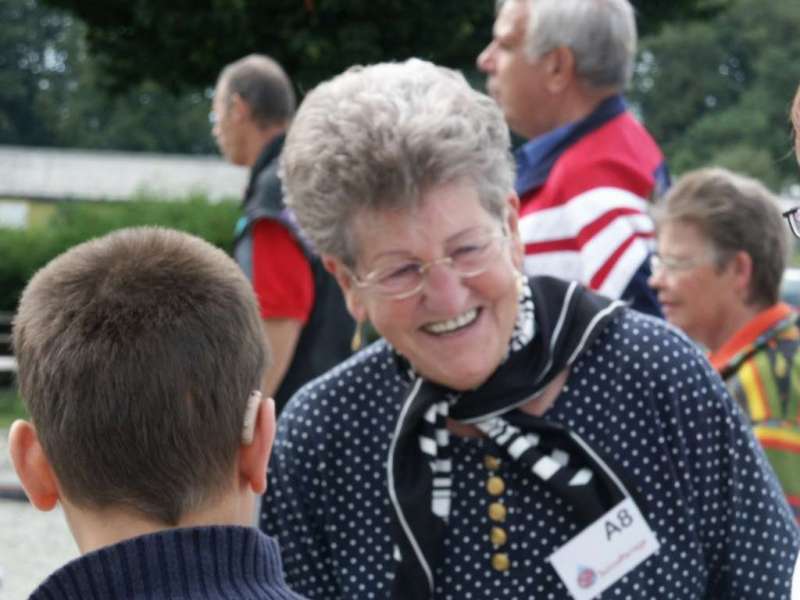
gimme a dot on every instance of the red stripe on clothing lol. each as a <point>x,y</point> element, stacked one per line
<point>774,444</point>
<point>567,244</point>
<point>593,228</point>
<point>619,154</point>
<point>584,236</point>
<point>748,334</point>
<point>600,276</point>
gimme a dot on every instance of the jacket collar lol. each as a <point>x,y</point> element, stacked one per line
<point>536,157</point>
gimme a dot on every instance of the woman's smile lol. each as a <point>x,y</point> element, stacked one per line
<point>458,323</point>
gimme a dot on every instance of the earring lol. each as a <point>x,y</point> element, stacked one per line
<point>355,343</point>
<point>520,283</point>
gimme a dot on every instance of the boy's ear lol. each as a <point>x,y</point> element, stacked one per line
<point>32,467</point>
<point>254,456</point>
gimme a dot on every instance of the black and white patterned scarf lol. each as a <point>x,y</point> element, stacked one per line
<point>556,322</point>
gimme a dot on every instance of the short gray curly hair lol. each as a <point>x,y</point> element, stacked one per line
<point>601,34</point>
<point>377,137</point>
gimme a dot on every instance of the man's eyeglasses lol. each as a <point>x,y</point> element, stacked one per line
<point>793,217</point>
<point>473,254</point>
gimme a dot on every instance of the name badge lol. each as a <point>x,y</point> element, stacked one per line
<point>605,551</point>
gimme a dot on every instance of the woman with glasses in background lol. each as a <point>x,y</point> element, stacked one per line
<point>722,250</point>
<point>500,418</point>
<point>793,214</point>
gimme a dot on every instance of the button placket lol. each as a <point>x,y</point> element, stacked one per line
<point>496,487</point>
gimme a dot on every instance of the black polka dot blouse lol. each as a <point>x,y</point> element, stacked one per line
<point>642,395</point>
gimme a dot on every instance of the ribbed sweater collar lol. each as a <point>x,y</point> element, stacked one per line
<point>201,562</point>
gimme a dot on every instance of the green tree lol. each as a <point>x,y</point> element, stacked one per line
<point>52,93</point>
<point>137,77</point>
<point>653,14</point>
<point>178,43</point>
<point>718,92</point>
<point>34,58</point>
<point>144,118</point>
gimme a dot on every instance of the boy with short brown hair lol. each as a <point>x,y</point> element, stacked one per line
<point>140,357</point>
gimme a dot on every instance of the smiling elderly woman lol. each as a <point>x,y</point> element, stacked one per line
<point>499,418</point>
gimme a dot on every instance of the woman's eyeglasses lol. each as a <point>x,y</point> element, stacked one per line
<point>670,265</point>
<point>472,255</point>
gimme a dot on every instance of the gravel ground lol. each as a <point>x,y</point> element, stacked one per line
<point>33,544</point>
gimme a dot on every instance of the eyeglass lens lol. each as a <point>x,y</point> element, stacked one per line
<point>406,279</point>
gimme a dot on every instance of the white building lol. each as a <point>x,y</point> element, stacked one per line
<point>64,174</point>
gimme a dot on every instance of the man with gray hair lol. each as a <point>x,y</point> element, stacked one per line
<point>584,178</point>
<point>303,311</point>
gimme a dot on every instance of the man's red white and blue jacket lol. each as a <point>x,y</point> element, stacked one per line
<point>584,190</point>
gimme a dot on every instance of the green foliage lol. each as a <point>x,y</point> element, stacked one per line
<point>146,118</point>
<point>652,14</point>
<point>176,46</point>
<point>145,84</point>
<point>719,92</point>
<point>11,407</point>
<point>185,45</point>
<point>27,66</point>
<point>53,94</point>
<point>25,251</point>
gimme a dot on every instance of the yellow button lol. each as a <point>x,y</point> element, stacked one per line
<point>498,536</point>
<point>497,512</point>
<point>500,561</point>
<point>491,462</point>
<point>495,486</point>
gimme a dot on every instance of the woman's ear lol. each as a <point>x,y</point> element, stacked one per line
<point>512,225</point>
<point>350,291</point>
<point>741,266</point>
<point>32,466</point>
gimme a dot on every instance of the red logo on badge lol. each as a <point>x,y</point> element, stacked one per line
<point>586,577</point>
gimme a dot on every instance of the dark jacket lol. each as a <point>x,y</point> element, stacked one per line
<point>325,339</point>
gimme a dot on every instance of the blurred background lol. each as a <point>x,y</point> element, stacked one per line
<point>104,124</point>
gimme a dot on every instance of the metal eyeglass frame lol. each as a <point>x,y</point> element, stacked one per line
<point>424,267</point>
<point>792,216</point>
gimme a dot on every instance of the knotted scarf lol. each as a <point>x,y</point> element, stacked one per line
<point>556,322</point>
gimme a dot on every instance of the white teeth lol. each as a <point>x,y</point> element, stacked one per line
<point>453,324</point>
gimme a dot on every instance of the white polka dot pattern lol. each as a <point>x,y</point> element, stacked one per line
<point>642,395</point>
